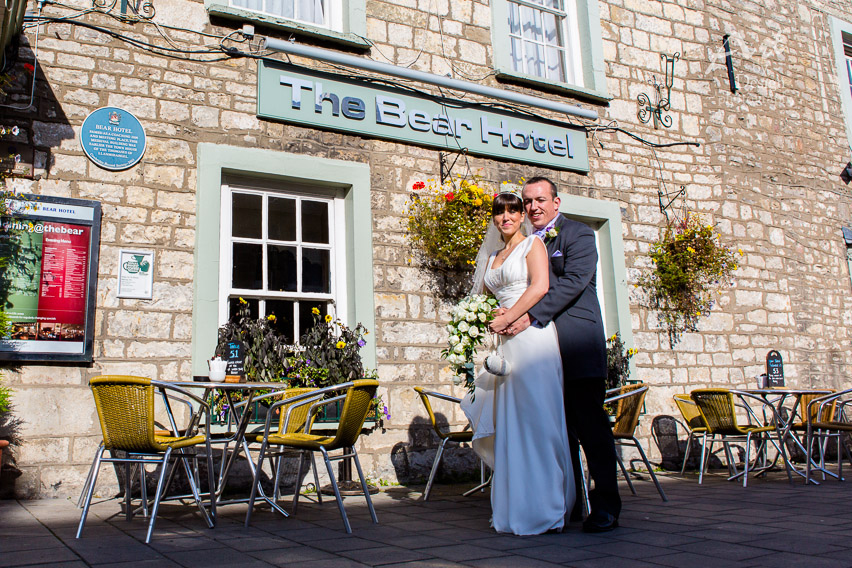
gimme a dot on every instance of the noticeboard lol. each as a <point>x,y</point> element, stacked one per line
<point>50,282</point>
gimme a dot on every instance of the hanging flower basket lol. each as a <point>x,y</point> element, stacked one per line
<point>690,264</point>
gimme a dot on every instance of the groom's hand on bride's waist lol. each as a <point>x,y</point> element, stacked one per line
<point>517,326</point>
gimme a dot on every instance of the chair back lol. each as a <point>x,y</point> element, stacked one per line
<point>628,409</point>
<point>299,414</point>
<point>125,407</point>
<point>689,411</point>
<point>827,409</point>
<point>717,409</point>
<point>430,412</point>
<point>356,406</point>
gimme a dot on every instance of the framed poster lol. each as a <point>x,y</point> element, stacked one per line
<point>50,245</point>
<point>136,274</point>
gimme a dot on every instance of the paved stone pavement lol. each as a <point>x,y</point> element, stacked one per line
<point>770,523</point>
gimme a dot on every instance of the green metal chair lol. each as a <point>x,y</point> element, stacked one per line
<point>125,406</point>
<point>357,397</point>
<point>629,399</point>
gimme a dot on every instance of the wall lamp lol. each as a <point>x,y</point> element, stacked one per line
<point>292,48</point>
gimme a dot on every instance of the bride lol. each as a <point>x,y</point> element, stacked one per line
<point>519,419</point>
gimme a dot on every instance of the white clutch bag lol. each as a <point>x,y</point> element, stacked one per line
<point>496,364</point>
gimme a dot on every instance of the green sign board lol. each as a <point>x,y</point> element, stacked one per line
<point>353,106</point>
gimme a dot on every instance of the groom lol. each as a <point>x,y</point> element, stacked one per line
<point>572,303</point>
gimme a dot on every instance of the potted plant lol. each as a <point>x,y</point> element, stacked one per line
<point>617,365</point>
<point>689,264</point>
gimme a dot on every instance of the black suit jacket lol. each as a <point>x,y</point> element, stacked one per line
<point>572,301</point>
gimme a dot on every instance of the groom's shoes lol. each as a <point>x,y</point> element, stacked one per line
<point>599,521</point>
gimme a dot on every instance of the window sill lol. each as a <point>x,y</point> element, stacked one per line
<point>231,13</point>
<point>538,82</point>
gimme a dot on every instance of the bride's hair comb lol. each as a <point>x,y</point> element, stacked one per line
<point>511,189</point>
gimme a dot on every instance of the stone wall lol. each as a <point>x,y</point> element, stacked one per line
<point>766,174</point>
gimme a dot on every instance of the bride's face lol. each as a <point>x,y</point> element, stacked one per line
<point>508,223</point>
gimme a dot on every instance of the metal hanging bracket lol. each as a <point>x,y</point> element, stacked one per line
<point>647,110</point>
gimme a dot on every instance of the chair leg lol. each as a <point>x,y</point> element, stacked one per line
<point>255,482</point>
<point>747,456</point>
<point>650,469</point>
<point>128,484</point>
<point>159,494</point>
<point>364,486</point>
<point>624,472</point>
<point>276,490</point>
<point>809,443</point>
<point>435,465</point>
<point>336,490</point>
<point>143,489</point>
<point>196,492</point>
<point>297,490</point>
<point>316,477</point>
<point>703,460</point>
<point>89,477</point>
<point>686,455</point>
<point>90,488</point>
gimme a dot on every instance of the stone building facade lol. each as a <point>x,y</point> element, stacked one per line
<point>766,173</point>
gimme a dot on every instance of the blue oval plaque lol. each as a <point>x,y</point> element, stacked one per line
<point>113,138</point>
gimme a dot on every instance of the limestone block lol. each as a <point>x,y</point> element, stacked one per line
<point>58,482</point>
<point>132,175</point>
<point>406,373</point>
<point>205,117</point>
<point>111,348</point>
<point>169,176</point>
<point>239,121</point>
<point>58,76</point>
<point>48,410</point>
<point>170,296</point>
<point>173,111</point>
<point>400,35</point>
<point>82,96</point>
<point>101,191</point>
<point>408,333</point>
<point>51,134</point>
<point>143,107</point>
<point>132,324</point>
<point>124,367</point>
<point>746,298</point>
<point>36,451</point>
<point>83,448</point>
<point>169,151</point>
<point>75,61</point>
<point>158,350</point>
<point>390,305</point>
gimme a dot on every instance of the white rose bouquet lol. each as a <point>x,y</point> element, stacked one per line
<point>468,329</point>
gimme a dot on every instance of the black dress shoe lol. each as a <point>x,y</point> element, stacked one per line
<point>576,516</point>
<point>599,521</point>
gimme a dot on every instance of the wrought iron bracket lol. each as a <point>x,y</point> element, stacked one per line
<point>655,110</point>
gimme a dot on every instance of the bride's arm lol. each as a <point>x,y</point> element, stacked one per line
<point>539,284</point>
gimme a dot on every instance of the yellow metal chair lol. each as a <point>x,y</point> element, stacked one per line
<point>125,406</point>
<point>356,397</point>
<point>458,436</point>
<point>692,419</point>
<point>826,416</point>
<point>718,410</point>
<point>629,399</point>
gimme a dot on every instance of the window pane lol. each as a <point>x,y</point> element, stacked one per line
<point>283,8</point>
<point>249,4</point>
<point>514,19</point>
<point>306,318</point>
<point>552,29</point>
<point>315,271</point>
<point>517,55</point>
<point>282,219</point>
<point>555,4</point>
<point>246,216</point>
<point>530,20</point>
<point>234,307</point>
<point>283,310</point>
<point>248,266</point>
<point>311,11</point>
<point>282,268</point>
<point>555,64</point>
<point>534,59</point>
<point>315,221</point>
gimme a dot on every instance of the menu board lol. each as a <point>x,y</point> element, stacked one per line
<point>50,245</point>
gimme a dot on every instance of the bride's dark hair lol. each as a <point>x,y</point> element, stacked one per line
<point>506,201</point>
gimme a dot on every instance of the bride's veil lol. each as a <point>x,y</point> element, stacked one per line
<point>492,242</point>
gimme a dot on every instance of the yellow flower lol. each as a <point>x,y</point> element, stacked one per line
<point>477,202</point>
<point>740,251</point>
<point>614,335</point>
<point>243,301</point>
<point>327,318</point>
<point>340,344</point>
<point>271,317</point>
<point>690,249</point>
<point>315,311</point>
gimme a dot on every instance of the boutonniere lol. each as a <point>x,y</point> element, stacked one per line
<point>551,234</point>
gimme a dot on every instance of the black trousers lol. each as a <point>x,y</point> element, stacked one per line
<point>588,425</point>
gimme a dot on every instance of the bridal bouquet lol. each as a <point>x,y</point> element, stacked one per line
<point>468,329</point>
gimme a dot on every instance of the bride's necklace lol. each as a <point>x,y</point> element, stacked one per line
<point>507,250</point>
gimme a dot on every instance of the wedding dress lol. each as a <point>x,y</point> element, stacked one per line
<point>519,419</point>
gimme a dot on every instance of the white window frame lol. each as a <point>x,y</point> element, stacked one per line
<point>839,29</point>
<point>346,21</point>
<point>332,14</point>
<point>573,64</point>
<point>583,38</point>
<point>336,244</point>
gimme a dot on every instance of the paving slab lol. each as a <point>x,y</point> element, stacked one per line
<point>770,523</point>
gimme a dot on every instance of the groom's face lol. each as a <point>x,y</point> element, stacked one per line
<point>539,203</point>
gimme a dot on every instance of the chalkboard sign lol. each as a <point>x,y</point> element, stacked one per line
<point>235,355</point>
<point>774,369</point>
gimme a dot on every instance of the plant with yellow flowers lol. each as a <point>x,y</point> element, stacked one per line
<point>266,350</point>
<point>329,355</point>
<point>448,221</point>
<point>617,361</point>
<point>690,263</point>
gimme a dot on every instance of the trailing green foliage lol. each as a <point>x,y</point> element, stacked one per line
<point>266,350</point>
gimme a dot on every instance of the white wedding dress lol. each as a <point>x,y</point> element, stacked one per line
<point>519,419</point>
